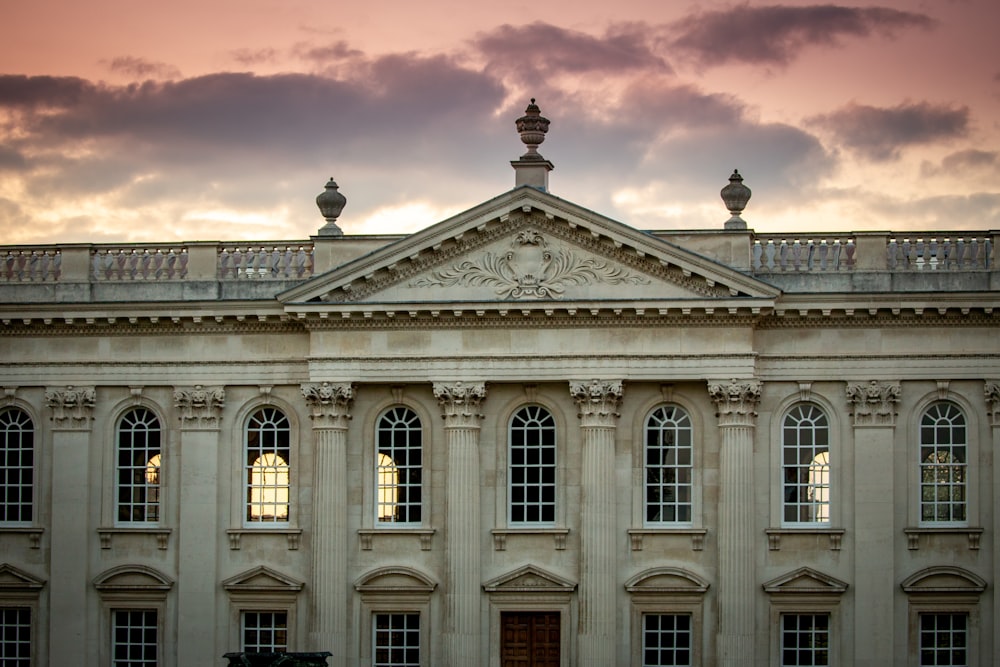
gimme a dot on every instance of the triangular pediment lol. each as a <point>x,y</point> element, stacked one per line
<point>529,579</point>
<point>262,579</point>
<point>805,581</point>
<point>14,579</point>
<point>523,249</point>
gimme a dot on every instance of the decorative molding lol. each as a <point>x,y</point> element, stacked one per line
<point>329,403</point>
<point>135,393</point>
<point>531,270</point>
<point>597,400</point>
<point>500,536</point>
<point>736,401</point>
<point>72,406</point>
<point>913,535</point>
<point>637,536</point>
<point>366,536</point>
<point>460,403</point>
<point>200,407</point>
<point>774,535</point>
<point>805,391</point>
<point>991,389</point>
<point>9,394</point>
<point>33,533</point>
<point>162,535</point>
<point>942,389</point>
<point>292,536</point>
<point>874,402</point>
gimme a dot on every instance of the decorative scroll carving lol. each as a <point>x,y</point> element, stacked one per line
<point>874,402</point>
<point>736,401</point>
<point>72,406</point>
<point>329,403</point>
<point>597,400</point>
<point>460,403</point>
<point>9,392</point>
<point>992,391</point>
<point>200,407</point>
<point>531,270</point>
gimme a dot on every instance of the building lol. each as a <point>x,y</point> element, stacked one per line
<point>526,435</point>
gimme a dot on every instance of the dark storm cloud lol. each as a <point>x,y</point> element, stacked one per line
<point>775,34</point>
<point>140,68</point>
<point>880,134</point>
<point>27,93</point>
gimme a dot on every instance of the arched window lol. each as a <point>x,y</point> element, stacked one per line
<point>668,466</point>
<point>531,467</point>
<point>138,467</point>
<point>268,436</point>
<point>17,467</point>
<point>399,467</point>
<point>943,464</point>
<point>805,453</point>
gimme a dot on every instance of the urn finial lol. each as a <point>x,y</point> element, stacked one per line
<point>331,202</point>
<point>532,127</point>
<point>735,196</point>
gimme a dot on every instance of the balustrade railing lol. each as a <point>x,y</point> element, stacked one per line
<point>939,252</point>
<point>774,253</point>
<point>152,262</point>
<point>266,261</point>
<point>29,265</point>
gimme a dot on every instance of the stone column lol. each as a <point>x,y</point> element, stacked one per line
<point>736,402</point>
<point>598,403</point>
<point>460,407</point>
<point>199,412</point>
<point>873,406</point>
<point>992,391</point>
<point>72,417</point>
<point>329,407</point>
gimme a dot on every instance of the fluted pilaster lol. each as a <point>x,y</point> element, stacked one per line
<point>736,403</point>
<point>329,407</point>
<point>461,409</point>
<point>598,402</point>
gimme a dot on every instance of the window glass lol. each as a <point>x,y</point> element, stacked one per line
<point>267,470</point>
<point>666,640</point>
<point>805,639</point>
<point>944,639</point>
<point>805,453</point>
<point>15,636</point>
<point>668,466</point>
<point>396,640</point>
<point>399,467</point>
<point>264,631</point>
<point>532,467</point>
<point>138,467</point>
<point>17,466</point>
<point>943,464</point>
<point>133,638</point>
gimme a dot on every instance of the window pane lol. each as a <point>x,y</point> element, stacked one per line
<point>17,466</point>
<point>805,639</point>
<point>264,631</point>
<point>138,473</point>
<point>668,471</point>
<point>532,466</point>
<point>943,639</point>
<point>399,468</point>
<point>396,640</point>
<point>806,466</point>
<point>134,637</point>
<point>666,639</point>
<point>268,437</point>
<point>943,465</point>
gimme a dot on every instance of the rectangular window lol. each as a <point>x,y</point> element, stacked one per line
<point>666,640</point>
<point>396,640</point>
<point>805,639</point>
<point>134,641</point>
<point>944,639</point>
<point>15,636</point>
<point>265,631</point>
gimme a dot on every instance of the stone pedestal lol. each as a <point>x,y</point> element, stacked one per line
<point>873,408</point>
<point>598,403</point>
<point>460,407</point>
<point>200,410</point>
<point>329,407</point>
<point>737,403</point>
<point>72,409</point>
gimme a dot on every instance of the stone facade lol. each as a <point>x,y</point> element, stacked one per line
<point>527,428</point>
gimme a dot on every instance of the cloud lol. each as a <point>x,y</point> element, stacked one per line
<point>879,134</point>
<point>141,68</point>
<point>776,34</point>
<point>962,163</point>
<point>251,57</point>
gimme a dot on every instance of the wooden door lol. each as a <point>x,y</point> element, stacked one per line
<point>529,639</point>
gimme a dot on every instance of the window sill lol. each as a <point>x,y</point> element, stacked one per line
<point>500,536</point>
<point>836,535</point>
<point>637,536</point>
<point>34,534</point>
<point>913,534</point>
<point>425,535</point>
<point>162,534</point>
<point>291,534</point>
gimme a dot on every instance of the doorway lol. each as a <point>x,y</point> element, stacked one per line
<point>529,639</point>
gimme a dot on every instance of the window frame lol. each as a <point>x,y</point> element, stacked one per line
<point>691,467</point>
<point>394,590</point>
<point>117,483</point>
<point>967,468</point>
<point>113,611</point>
<point>260,610</point>
<point>797,447</point>
<point>966,634</point>
<point>420,485</point>
<point>247,468</point>
<point>554,484</point>
<point>32,505</point>
<point>782,632</point>
<point>644,632</point>
<point>376,632</point>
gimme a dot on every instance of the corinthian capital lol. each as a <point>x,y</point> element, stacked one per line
<point>71,406</point>
<point>460,402</point>
<point>597,400</point>
<point>873,402</point>
<point>992,391</point>
<point>736,401</point>
<point>198,406</point>
<point>329,403</point>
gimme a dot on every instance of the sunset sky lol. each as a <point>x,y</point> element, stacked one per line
<point>132,120</point>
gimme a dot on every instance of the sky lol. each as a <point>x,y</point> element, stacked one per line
<point>142,121</point>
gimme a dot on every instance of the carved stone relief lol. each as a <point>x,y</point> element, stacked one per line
<point>329,403</point>
<point>874,402</point>
<point>72,406</point>
<point>199,406</point>
<point>460,402</point>
<point>597,400</point>
<point>735,401</point>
